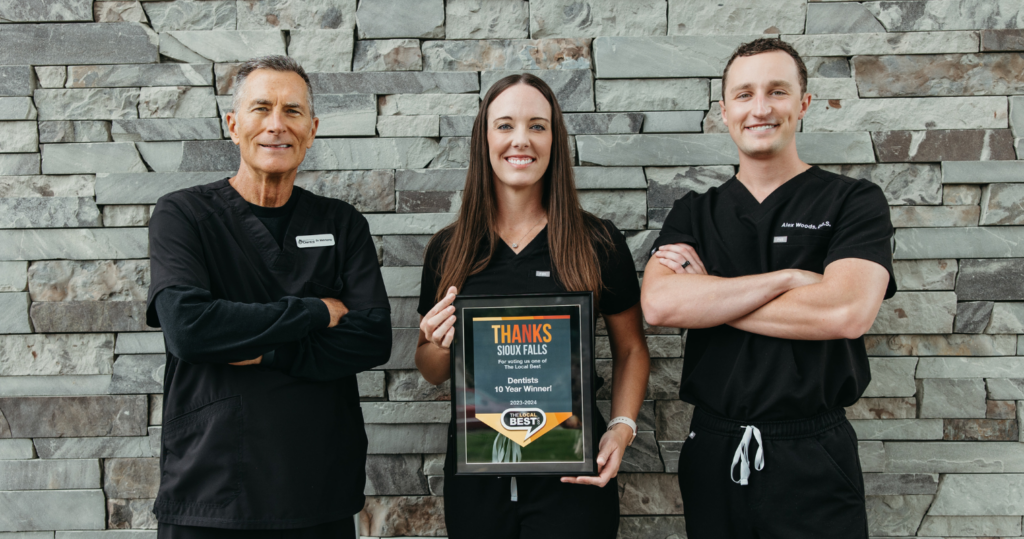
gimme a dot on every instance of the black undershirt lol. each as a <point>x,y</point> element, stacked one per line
<point>275,219</point>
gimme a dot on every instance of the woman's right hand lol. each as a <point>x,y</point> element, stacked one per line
<point>438,325</point>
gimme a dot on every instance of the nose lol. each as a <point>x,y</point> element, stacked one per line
<point>275,122</point>
<point>520,138</point>
<point>761,106</point>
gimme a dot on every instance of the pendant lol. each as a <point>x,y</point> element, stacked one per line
<point>515,245</point>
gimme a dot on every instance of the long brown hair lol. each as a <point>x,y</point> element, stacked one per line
<point>572,232</point>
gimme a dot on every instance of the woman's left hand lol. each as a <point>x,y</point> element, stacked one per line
<point>611,449</point>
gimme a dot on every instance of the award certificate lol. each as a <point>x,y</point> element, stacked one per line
<point>523,384</point>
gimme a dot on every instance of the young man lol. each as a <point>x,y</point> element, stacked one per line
<point>777,274</point>
<point>271,300</point>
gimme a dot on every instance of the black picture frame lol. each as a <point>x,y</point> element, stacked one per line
<point>566,437</point>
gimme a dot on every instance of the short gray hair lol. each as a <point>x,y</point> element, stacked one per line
<point>277,63</point>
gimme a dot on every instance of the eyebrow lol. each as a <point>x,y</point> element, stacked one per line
<point>531,119</point>
<point>780,82</point>
<point>269,102</point>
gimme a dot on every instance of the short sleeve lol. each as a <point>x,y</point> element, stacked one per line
<point>678,227</point>
<point>863,230</point>
<point>618,274</point>
<point>364,284</point>
<point>175,253</point>
<point>430,280</point>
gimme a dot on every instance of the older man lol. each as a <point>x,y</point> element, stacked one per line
<point>271,300</point>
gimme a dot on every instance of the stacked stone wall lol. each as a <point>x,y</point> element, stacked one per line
<point>107,105</point>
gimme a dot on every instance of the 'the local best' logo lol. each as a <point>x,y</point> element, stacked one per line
<point>529,419</point>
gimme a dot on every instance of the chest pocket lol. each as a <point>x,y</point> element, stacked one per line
<point>804,250</point>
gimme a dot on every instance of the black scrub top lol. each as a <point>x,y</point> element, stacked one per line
<point>258,447</point>
<point>807,223</point>
<point>531,272</point>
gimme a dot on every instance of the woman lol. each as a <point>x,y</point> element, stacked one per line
<point>521,230</point>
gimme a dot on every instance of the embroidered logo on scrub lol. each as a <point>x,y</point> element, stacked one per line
<point>543,273</point>
<point>318,240</point>
<point>781,239</point>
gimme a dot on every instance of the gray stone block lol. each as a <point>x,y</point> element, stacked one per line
<point>926,274</point>
<point>656,57</point>
<point>371,385</point>
<point>1007,318</point>
<point>47,417</point>
<point>428,202</point>
<point>649,494</point>
<point>487,19</point>
<point>226,45</point>
<point>652,94</point>
<point>456,126</point>
<point>965,526</point>
<point>651,527</point>
<point>76,244</point>
<point>404,250</point>
<point>103,447</point>
<point>57,386</point>
<point>51,76</point>
<point>951,398</point>
<point>48,212</point>
<point>916,312</point>
<point>392,18</point>
<point>453,152</point>
<point>355,154</point>
<point>387,224</point>
<point>322,50</point>
<point>946,15</point>
<point>16,449</point>
<point>113,76</point>
<point>90,158</point>
<point>934,216</point>
<point>1005,389</point>
<point>17,81</point>
<point>897,429</point>
<point>137,514</point>
<point>14,313</point>
<point>49,475</point>
<point>1003,204</point>
<point>74,131</point>
<point>367,190</point>
<point>883,408</point>
<point>832,88</point>
<point>147,187</point>
<point>609,178</point>
<point>593,18</point>
<point>430,180</point>
<point>891,484</point>
<point>408,126</point>
<point>884,43</point>
<point>420,104</point>
<point>191,156</point>
<point>892,377</point>
<point>346,115</point>
<point>166,16</point>
<point>404,340</point>
<point>405,439</point>
<point>626,209</point>
<point>666,185</point>
<point>119,11</point>
<point>736,17</point>
<point>52,355</point>
<point>88,316</point>
<point>903,183</point>
<point>670,456</point>
<point>388,516</point>
<point>329,14</point>
<point>507,54</point>
<point>166,129</point>
<point>574,88</point>
<point>17,108</point>
<point>131,478</point>
<point>673,419</point>
<point>69,44</point>
<point>872,456</point>
<point>972,317</point>
<point>896,515</point>
<point>177,102</point>
<point>403,312</point>
<point>673,122</point>
<point>394,83</point>
<point>840,18</point>
<point>979,494</point>
<point>640,245</point>
<point>939,75</point>
<point>79,510</point>
<point>387,55</point>
<point>1017,115</point>
<point>392,413</point>
<point>87,103</point>
<point>1009,39</point>
<point>409,385</point>
<point>642,455</point>
<point>392,475</point>
<point>977,242</point>
<point>943,145</point>
<point>949,345</point>
<point>982,172</point>
<point>907,114</point>
<point>46,186</point>
<point>13,276</point>
<point>134,374</point>
<point>123,216</point>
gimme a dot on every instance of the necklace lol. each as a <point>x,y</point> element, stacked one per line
<point>515,244</point>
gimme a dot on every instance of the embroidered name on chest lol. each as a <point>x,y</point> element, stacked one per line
<point>317,240</point>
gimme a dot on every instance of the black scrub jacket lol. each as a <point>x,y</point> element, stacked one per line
<point>281,444</point>
<point>807,223</point>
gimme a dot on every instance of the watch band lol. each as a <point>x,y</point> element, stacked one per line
<point>626,421</point>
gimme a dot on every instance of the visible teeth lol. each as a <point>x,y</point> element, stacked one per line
<point>761,127</point>
<point>519,161</point>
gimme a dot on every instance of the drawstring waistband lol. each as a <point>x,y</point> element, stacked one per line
<point>742,457</point>
<point>515,490</point>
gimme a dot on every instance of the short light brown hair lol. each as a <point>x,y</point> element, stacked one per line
<point>768,44</point>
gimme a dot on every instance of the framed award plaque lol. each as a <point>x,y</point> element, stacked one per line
<point>523,384</point>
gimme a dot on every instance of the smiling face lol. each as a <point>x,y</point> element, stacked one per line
<point>273,126</point>
<point>519,136</point>
<point>762,103</point>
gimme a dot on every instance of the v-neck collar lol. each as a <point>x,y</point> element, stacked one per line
<point>528,246</point>
<point>749,205</point>
<point>272,254</point>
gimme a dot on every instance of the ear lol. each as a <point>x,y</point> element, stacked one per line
<point>721,105</point>
<point>312,134</point>
<point>805,103</point>
<point>232,120</point>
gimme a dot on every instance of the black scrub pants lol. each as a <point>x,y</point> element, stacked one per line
<point>340,529</point>
<point>810,487</point>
